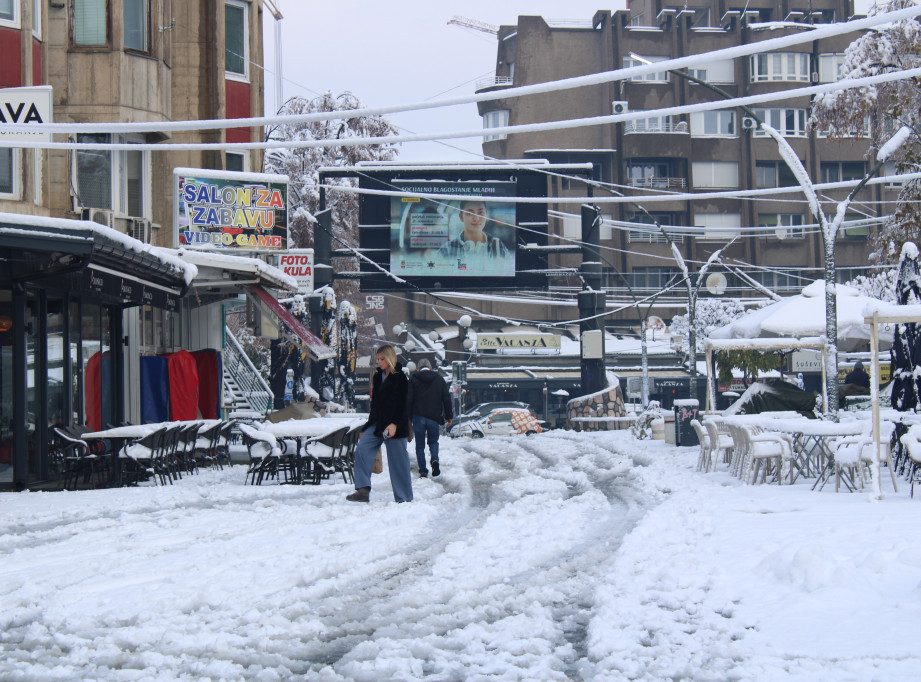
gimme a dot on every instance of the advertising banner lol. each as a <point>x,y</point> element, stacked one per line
<point>462,237</point>
<point>25,106</point>
<point>298,263</point>
<point>224,210</point>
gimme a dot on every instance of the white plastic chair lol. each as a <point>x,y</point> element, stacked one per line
<point>705,460</point>
<point>720,443</point>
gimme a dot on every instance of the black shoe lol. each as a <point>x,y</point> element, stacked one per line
<point>436,470</point>
<point>360,495</point>
<point>423,474</point>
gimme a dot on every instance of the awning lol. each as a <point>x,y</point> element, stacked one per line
<point>315,347</point>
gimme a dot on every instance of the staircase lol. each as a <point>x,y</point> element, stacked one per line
<point>244,388</point>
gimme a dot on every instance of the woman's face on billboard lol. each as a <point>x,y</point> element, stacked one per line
<point>474,216</point>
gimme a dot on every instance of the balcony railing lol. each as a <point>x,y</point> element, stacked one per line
<point>659,183</point>
<point>492,81</point>
<point>647,127</point>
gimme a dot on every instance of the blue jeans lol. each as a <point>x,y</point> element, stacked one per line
<point>397,463</point>
<point>423,428</point>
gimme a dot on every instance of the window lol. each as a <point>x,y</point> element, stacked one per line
<point>889,170</point>
<point>720,123</point>
<point>778,281</point>
<point>135,18</point>
<point>37,18</point>
<point>779,66</point>
<point>97,176</point>
<point>843,171</point>
<point>236,161</point>
<point>774,174</point>
<point>652,234</point>
<point>236,37</point>
<point>701,18</point>
<point>719,226</point>
<point>855,225</point>
<point>787,122</point>
<point>715,173</point>
<point>91,22</point>
<point>656,173</point>
<point>719,71</point>
<point>9,13</point>
<point>655,124</point>
<point>10,188</point>
<point>830,66</point>
<point>786,225</point>
<point>495,119</point>
<point>655,278</point>
<point>661,77</point>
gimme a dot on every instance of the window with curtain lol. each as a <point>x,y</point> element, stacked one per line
<point>719,226</point>
<point>495,119</point>
<point>236,41</point>
<point>715,173</point>
<point>135,18</point>
<point>719,123</point>
<point>91,23</point>
<point>786,225</point>
<point>661,77</point>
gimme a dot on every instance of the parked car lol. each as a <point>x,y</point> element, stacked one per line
<point>483,409</point>
<point>503,421</point>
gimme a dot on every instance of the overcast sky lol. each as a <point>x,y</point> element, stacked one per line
<point>400,52</point>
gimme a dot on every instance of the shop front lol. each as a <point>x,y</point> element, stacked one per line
<point>63,288</point>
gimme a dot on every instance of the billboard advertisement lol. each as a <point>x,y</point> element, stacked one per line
<point>463,236</point>
<point>225,210</point>
<point>298,263</point>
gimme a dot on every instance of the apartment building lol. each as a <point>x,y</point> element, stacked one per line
<point>776,240</point>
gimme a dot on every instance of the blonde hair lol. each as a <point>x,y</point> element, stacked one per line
<point>389,355</point>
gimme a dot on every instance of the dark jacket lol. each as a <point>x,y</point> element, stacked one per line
<point>429,396</point>
<point>388,402</point>
<point>859,377</point>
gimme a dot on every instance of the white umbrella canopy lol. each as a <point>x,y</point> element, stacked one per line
<point>804,315</point>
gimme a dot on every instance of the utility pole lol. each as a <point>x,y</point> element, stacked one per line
<point>592,303</point>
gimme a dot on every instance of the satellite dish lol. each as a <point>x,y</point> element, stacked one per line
<point>716,283</point>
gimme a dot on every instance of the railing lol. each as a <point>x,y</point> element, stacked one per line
<point>659,183</point>
<point>493,81</point>
<point>646,127</point>
<point>255,390</point>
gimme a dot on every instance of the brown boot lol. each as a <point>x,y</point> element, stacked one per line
<point>360,495</point>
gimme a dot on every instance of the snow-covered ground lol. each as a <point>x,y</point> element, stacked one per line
<point>554,557</point>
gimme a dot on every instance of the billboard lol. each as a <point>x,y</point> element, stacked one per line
<point>225,210</point>
<point>458,237</point>
<point>298,263</point>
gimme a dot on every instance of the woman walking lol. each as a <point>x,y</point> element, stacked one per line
<point>388,425</point>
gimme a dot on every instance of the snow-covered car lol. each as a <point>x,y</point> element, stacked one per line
<point>481,410</point>
<point>505,421</point>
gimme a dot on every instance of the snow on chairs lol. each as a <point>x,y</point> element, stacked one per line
<point>705,460</point>
<point>722,443</point>
<point>912,444</point>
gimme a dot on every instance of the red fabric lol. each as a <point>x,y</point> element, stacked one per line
<point>10,58</point>
<point>238,106</point>
<point>183,386</point>
<point>209,383</point>
<point>91,392</point>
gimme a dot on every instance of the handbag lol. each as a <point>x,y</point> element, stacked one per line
<point>378,463</point>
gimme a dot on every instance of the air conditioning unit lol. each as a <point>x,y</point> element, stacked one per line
<point>98,215</point>
<point>749,123</point>
<point>139,228</point>
<point>618,107</point>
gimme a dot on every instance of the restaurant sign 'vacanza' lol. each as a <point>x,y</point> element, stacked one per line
<point>518,342</point>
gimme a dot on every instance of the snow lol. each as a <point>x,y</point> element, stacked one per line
<point>892,146</point>
<point>558,556</point>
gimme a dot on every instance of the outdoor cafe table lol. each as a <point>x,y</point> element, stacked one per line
<point>812,439</point>
<point>306,431</point>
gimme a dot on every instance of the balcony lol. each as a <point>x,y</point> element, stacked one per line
<point>641,126</point>
<point>494,81</point>
<point>659,183</point>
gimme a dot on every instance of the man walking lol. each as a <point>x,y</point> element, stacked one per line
<point>429,403</point>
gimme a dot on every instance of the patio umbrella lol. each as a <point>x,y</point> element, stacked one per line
<point>802,316</point>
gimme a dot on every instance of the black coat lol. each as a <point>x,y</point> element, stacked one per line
<point>429,396</point>
<point>388,402</point>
